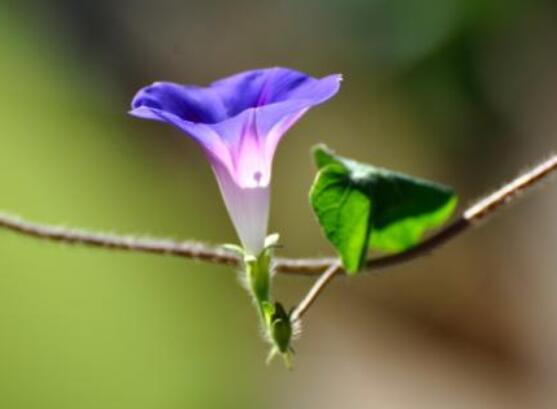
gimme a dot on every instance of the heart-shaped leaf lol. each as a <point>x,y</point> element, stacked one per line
<point>360,207</point>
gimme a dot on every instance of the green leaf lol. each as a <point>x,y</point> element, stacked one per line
<point>360,207</point>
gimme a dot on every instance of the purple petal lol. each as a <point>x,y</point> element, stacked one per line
<point>187,102</point>
<point>251,139</point>
<point>257,88</point>
<point>238,120</point>
<point>253,135</point>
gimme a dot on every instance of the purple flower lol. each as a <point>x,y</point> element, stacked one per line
<point>239,121</point>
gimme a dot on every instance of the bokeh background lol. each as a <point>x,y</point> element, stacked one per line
<point>459,91</point>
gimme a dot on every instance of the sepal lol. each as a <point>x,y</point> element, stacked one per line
<point>234,248</point>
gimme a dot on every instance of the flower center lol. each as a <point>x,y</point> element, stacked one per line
<point>257,177</point>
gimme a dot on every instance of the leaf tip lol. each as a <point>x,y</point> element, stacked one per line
<point>322,155</point>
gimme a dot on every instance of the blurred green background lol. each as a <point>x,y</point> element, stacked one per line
<point>459,91</point>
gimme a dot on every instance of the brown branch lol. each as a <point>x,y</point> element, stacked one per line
<point>313,266</point>
<point>187,249</point>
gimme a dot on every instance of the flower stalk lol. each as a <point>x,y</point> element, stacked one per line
<point>276,323</point>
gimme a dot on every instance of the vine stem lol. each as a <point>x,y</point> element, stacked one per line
<point>316,290</point>
<point>310,267</point>
<point>472,215</point>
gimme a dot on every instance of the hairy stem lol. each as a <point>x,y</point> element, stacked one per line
<point>188,249</point>
<point>312,266</point>
<point>316,290</point>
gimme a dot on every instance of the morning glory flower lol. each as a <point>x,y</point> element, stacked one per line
<point>239,121</point>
